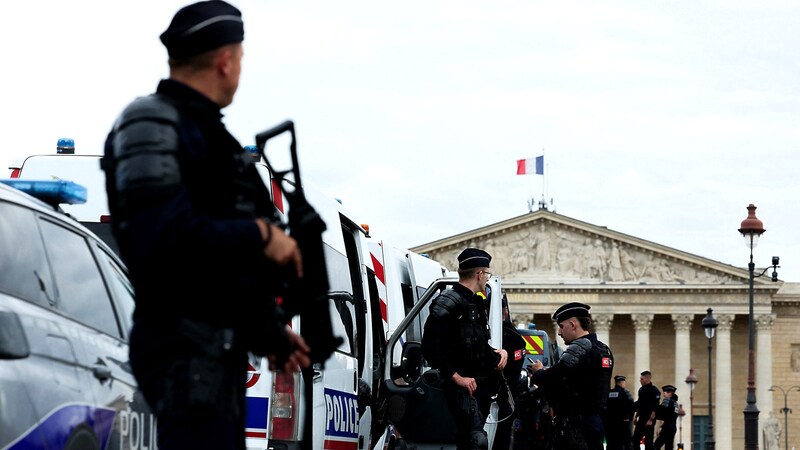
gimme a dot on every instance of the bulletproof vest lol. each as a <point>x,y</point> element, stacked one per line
<point>474,333</point>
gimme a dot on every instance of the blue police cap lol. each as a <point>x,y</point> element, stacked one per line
<point>201,27</point>
<point>570,310</point>
<point>473,257</point>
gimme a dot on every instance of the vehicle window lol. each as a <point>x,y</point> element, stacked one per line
<point>81,291</point>
<point>122,288</point>
<point>24,271</point>
<point>342,312</point>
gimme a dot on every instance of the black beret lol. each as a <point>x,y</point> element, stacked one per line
<point>619,378</point>
<point>201,27</point>
<point>669,388</point>
<point>569,310</point>
<point>473,257</point>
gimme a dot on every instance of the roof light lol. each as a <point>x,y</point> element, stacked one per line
<point>52,192</point>
<point>65,146</point>
<point>253,151</point>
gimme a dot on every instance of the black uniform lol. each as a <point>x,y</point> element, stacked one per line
<point>183,205</point>
<point>668,412</point>
<point>619,412</point>
<point>577,386</point>
<point>514,345</point>
<point>646,404</point>
<point>456,339</point>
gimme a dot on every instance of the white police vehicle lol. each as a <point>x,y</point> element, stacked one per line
<point>65,313</point>
<point>65,164</point>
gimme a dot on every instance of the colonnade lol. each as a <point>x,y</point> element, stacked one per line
<point>724,399</point>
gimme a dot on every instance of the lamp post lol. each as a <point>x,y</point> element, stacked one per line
<point>691,380</point>
<point>752,228</point>
<point>681,413</point>
<point>786,410</point>
<point>710,327</point>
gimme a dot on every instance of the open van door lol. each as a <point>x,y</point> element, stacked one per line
<point>416,402</point>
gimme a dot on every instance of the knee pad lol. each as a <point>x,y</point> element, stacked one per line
<point>479,441</point>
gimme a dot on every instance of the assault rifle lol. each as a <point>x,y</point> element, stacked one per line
<point>309,296</point>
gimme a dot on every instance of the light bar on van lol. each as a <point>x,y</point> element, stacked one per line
<point>53,192</point>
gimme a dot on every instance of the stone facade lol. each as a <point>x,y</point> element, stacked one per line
<point>648,302</point>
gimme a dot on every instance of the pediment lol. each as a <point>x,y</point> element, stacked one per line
<point>545,247</point>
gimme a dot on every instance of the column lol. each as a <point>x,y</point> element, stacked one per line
<point>763,324</point>
<point>642,323</point>
<point>723,421</point>
<point>683,362</point>
<point>602,326</point>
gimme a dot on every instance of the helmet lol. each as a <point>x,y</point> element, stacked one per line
<point>65,146</point>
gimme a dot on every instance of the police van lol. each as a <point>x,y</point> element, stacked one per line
<point>65,164</point>
<point>65,313</point>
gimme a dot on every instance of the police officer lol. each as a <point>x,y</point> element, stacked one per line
<point>456,342</point>
<point>197,231</point>
<point>644,417</point>
<point>666,417</point>
<point>579,381</point>
<point>619,411</point>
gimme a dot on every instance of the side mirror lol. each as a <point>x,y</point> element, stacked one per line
<point>411,361</point>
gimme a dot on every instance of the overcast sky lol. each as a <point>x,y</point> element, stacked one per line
<point>661,120</point>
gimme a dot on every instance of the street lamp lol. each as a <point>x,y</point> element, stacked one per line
<point>752,228</point>
<point>691,380</point>
<point>710,326</point>
<point>786,410</point>
<point>681,413</point>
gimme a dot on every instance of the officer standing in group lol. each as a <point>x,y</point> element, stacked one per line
<point>619,412</point>
<point>645,407</point>
<point>198,233</point>
<point>666,418</point>
<point>578,384</point>
<point>456,342</point>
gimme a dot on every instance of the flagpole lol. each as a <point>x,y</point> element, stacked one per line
<point>544,183</point>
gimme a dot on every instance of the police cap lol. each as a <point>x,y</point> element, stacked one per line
<point>570,310</point>
<point>669,388</point>
<point>201,27</point>
<point>473,257</point>
<point>619,378</point>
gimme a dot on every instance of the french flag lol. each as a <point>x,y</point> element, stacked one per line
<point>531,166</point>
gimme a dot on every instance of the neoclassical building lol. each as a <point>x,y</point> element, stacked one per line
<point>647,302</point>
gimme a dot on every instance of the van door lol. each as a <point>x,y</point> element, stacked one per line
<point>417,406</point>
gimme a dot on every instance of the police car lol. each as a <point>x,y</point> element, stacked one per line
<point>65,313</point>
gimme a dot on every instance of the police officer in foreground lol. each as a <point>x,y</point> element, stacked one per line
<point>619,412</point>
<point>198,233</point>
<point>666,418</point>
<point>456,342</point>
<point>578,383</point>
<point>645,407</point>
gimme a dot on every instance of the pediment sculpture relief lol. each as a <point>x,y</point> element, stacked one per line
<point>547,250</point>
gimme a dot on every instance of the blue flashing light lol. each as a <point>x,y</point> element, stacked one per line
<point>65,146</point>
<point>531,326</point>
<point>252,150</point>
<point>53,192</point>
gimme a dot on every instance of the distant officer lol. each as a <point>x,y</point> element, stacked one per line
<point>666,416</point>
<point>580,379</point>
<point>644,417</point>
<point>456,342</point>
<point>619,412</point>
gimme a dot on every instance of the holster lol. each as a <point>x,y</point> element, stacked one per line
<point>204,382</point>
